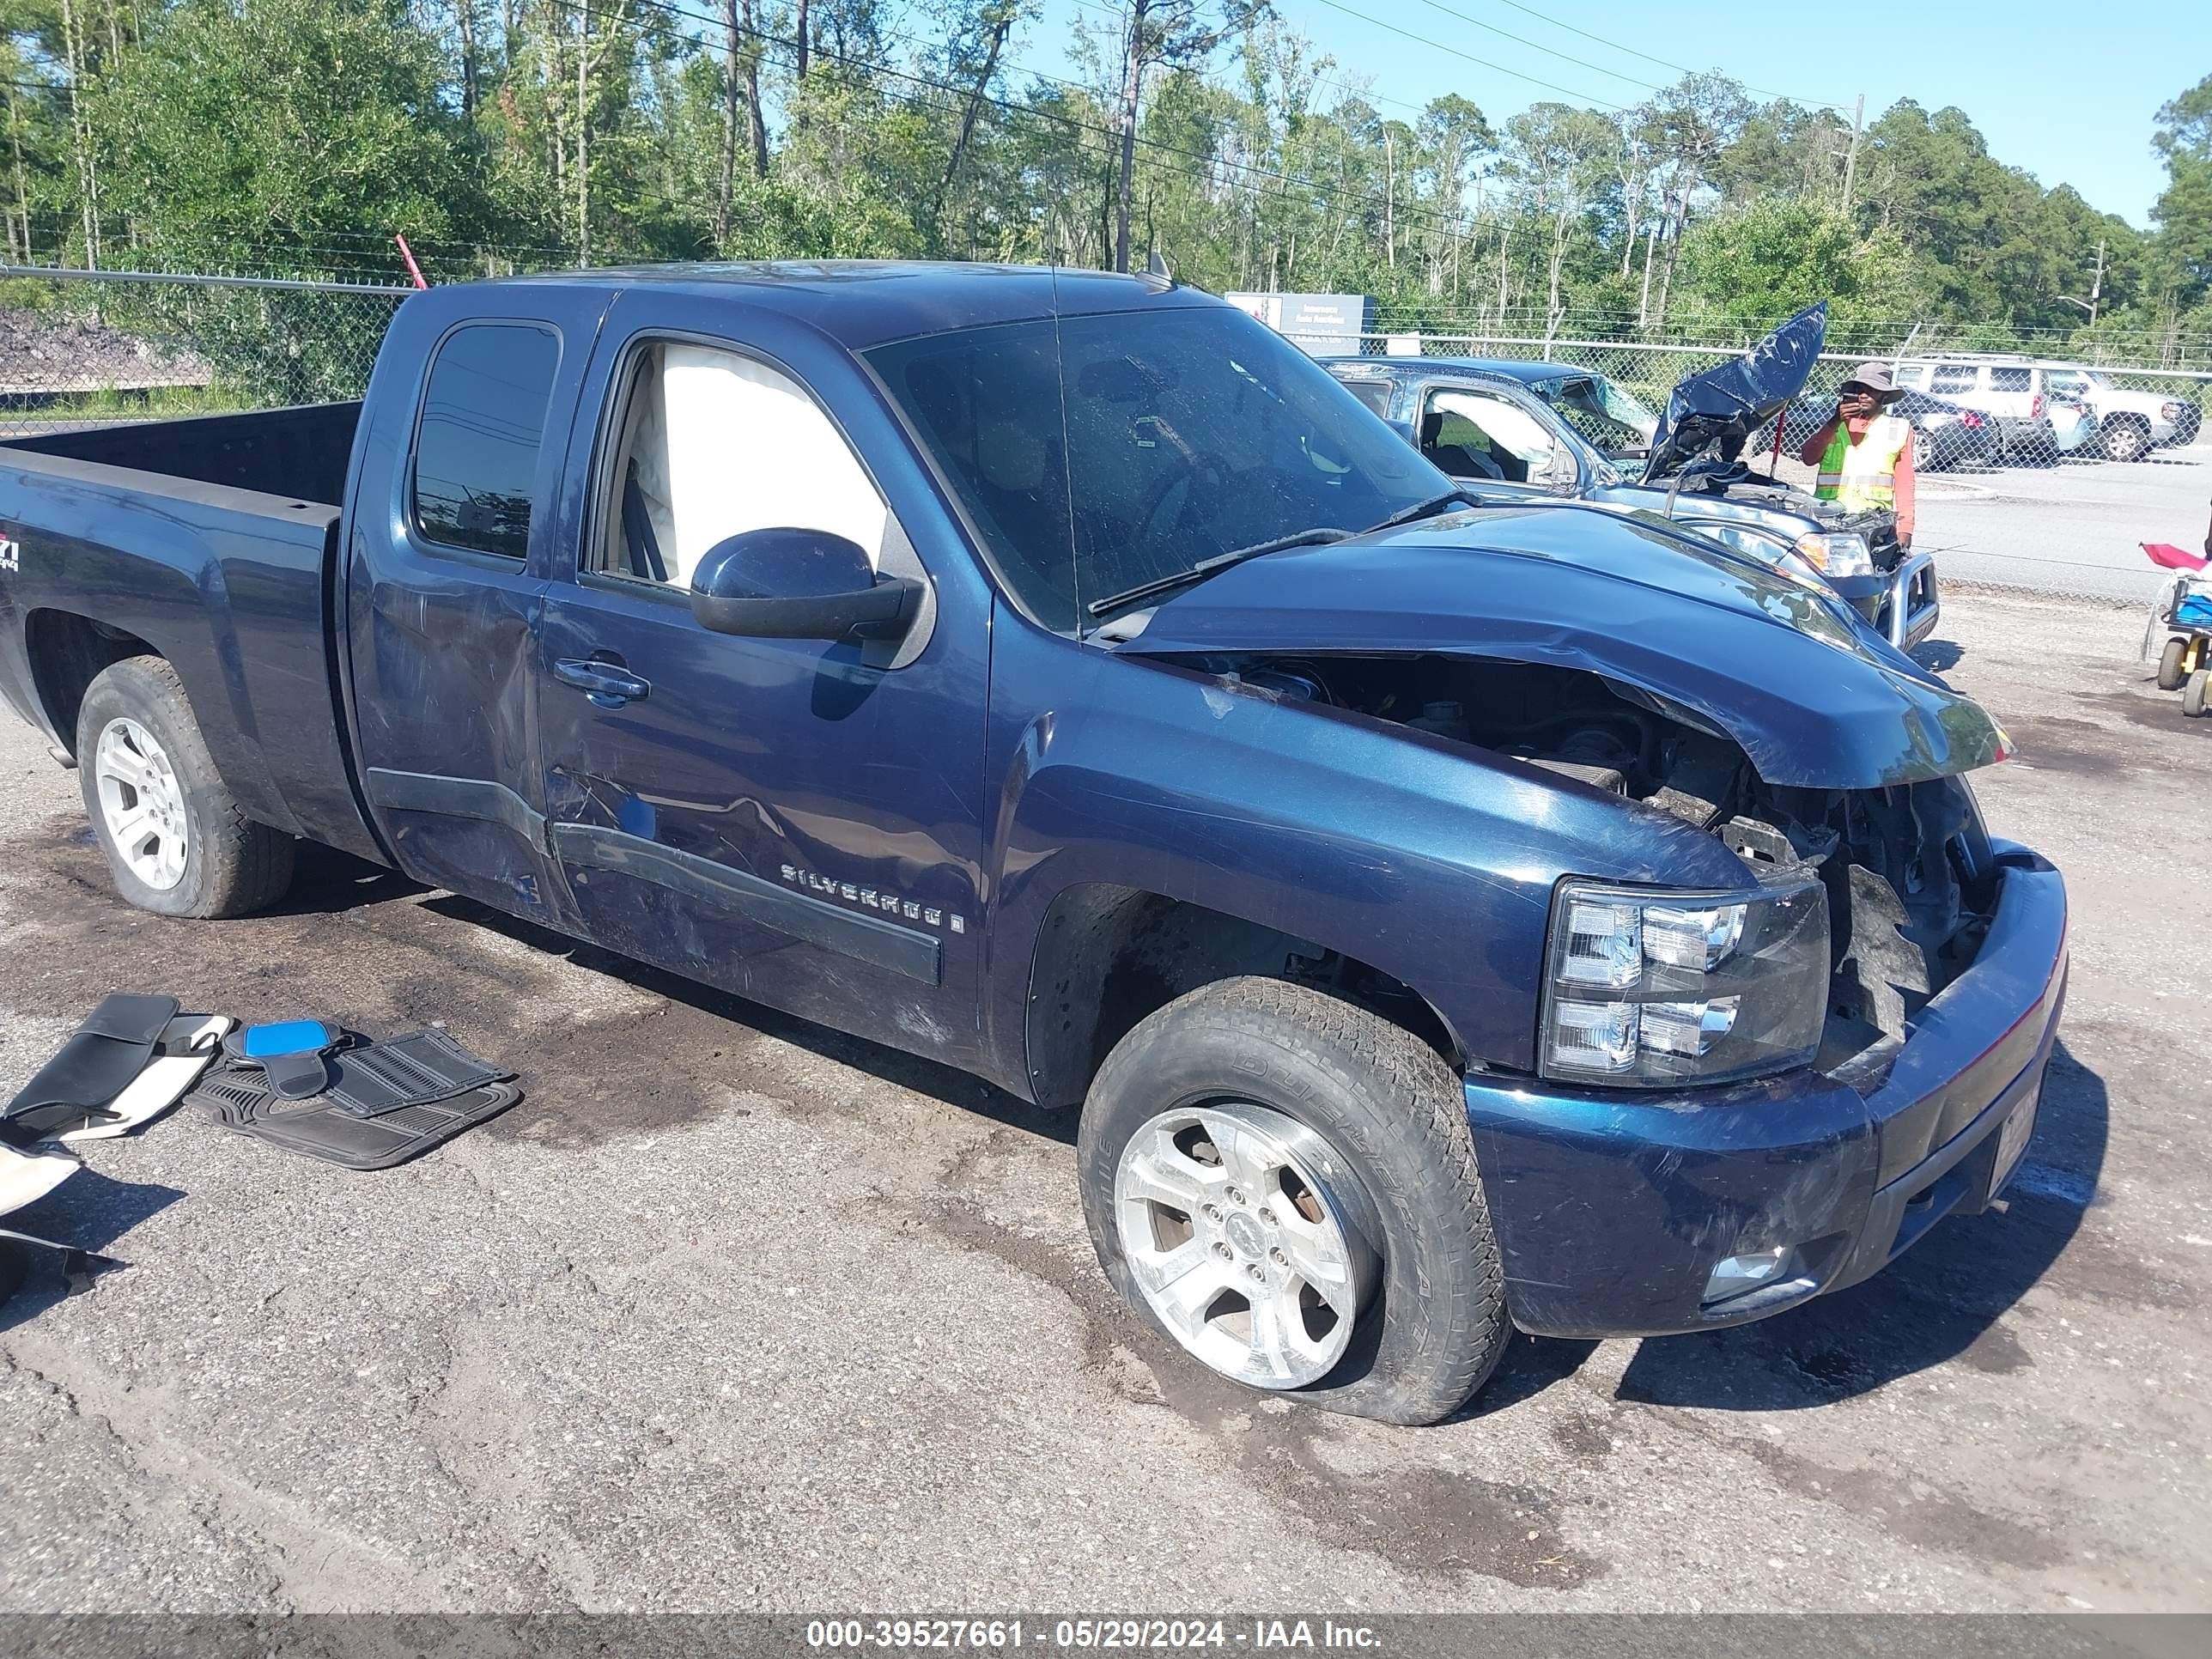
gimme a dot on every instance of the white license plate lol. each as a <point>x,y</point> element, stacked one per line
<point>2011,1140</point>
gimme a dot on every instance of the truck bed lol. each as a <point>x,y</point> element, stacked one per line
<point>300,452</point>
<point>211,541</point>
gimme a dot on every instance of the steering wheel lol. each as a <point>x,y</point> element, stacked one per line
<point>1203,469</point>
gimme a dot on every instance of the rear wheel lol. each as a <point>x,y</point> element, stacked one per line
<point>177,842</point>
<point>2170,672</point>
<point>1284,1184</point>
<point>2192,693</point>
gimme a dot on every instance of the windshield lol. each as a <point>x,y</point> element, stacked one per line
<point>1607,415</point>
<point>1136,444</point>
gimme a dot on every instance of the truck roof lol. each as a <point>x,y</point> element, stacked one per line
<point>866,302</point>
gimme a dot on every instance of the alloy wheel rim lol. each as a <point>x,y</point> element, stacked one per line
<point>1249,1239</point>
<point>142,803</point>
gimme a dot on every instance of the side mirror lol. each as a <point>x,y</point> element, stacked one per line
<point>789,584</point>
<point>1405,430</point>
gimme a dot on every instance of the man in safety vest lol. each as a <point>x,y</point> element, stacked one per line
<point>1865,456</point>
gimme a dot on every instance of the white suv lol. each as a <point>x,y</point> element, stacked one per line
<point>2130,423</point>
<point>2020,392</point>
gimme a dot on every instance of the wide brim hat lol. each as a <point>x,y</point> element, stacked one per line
<point>1876,377</point>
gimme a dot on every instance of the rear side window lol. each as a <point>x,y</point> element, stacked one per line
<point>2012,379</point>
<point>476,448</point>
<point>1953,377</point>
<point>1911,376</point>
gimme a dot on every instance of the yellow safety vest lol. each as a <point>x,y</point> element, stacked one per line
<point>1862,475</point>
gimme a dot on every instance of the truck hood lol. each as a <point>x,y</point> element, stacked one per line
<point>1812,700</point>
<point>1716,412</point>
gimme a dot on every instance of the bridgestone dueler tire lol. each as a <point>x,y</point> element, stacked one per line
<point>1393,1109</point>
<point>233,866</point>
<point>2169,664</point>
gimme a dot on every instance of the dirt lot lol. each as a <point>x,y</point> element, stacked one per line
<point>731,1313</point>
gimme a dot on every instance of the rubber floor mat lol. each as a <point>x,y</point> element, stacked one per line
<point>378,1078</point>
<point>321,1127</point>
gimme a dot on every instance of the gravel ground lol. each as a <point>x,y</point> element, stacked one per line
<point>734,1314</point>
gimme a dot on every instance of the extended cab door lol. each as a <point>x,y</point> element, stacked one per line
<point>447,545</point>
<point>797,820</point>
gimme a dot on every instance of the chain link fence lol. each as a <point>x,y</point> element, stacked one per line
<point>2039,473</point>
<point>2033,472</point>
<point>105,349</point>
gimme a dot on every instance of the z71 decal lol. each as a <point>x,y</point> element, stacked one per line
<point>11,553</point>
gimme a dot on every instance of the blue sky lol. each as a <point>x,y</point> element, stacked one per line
<point>2067,91</point>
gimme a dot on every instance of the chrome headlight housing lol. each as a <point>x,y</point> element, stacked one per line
<point>1836,553</point>
<point>1652,987</point>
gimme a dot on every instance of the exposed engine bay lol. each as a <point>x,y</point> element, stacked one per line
<point>1907,869</point>
<point>1738,483</point>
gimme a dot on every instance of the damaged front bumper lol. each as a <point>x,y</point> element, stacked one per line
<point>1622,1214</point>
<point>1901,603</point>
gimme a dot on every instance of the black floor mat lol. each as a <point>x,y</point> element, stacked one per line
<point>387,1102</point>
<point>373,1079</point>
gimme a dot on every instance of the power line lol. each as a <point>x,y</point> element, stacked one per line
<point>1663,63</point>
<point>1439,45</point>
<point>1519,39</point>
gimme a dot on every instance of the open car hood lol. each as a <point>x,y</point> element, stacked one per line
<point>1715,412</point>
<point>1812,700</point>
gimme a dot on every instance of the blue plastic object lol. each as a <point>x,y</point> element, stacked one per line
<point>288,1036</point>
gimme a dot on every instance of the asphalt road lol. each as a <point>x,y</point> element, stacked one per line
<point>732,1314</point>
<point>2074,528</point>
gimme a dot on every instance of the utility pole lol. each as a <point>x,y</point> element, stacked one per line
<point>1851,158</point>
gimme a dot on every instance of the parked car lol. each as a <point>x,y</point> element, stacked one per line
<point>1486,426</point>
<point>2019,392</point>
<point>1446,919</point>
<point>2130,423</point>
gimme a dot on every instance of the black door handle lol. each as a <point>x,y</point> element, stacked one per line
<point>609,684</point>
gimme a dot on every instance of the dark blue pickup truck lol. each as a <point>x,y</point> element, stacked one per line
<point>1446,918</point>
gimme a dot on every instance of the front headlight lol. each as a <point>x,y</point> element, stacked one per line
<point>1837,553</point>
<point>1649,987</point>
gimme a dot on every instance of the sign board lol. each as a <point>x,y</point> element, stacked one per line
<point>1324,325</point>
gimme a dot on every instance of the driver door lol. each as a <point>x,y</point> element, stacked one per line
<point>797,820</point>
<point>1490,441</point>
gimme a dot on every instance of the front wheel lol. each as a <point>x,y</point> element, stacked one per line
<point>1284,1185</point>
<point>2192,693</point>
<point>2170,672</point>
<point>177,842</point>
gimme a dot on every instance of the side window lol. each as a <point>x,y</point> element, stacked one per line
<point>1912,375</point>
<point>1478,434</point>
<point>712,444</point>
<point>1952,378</point>
<point>2068,384</point>
<point>2012,379</point>
<point>1375,394</point>
<point>476,445</point>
